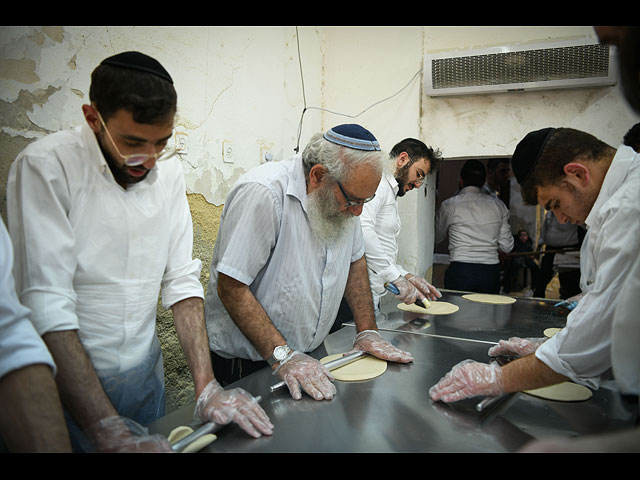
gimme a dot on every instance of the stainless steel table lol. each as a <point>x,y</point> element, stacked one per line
<point>393,413</point>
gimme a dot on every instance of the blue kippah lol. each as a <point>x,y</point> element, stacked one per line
<point>138,61</point>
<point>352,136</point>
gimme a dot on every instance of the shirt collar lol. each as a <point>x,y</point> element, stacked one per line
<point>391,180</point>
<point>297,185</point>
<point>613,179</point>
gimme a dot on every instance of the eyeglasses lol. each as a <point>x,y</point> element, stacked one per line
<point>136,159</point>
<point>353,203</point>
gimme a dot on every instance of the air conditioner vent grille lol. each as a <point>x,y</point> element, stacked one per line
<point>540,65</point>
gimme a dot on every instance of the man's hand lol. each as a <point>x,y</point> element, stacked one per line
<point>121,435</point>
<point>373,343</point>
<point>428,290</point>
<point>221,406</point>
<point>302,371</point>
<point>469,379</point>
<point>516,346</point>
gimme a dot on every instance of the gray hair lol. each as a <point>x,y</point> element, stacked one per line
<point>338,160</point>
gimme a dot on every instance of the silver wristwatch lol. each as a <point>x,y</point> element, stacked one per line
<point>279,354</point>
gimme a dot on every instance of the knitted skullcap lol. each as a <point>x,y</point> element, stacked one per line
<point>138,61</point>
<point>528,151</point>
<point>352,136</point>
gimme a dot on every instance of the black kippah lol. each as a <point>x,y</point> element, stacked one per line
<point>528,152</point>
<point>138,61</point>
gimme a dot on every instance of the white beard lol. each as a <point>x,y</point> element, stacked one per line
<point>327,223</point>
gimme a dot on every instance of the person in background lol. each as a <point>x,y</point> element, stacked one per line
<point>498,174</point>
<point>100,224</point>
<point>411,162</point>
<point>584,181</point>
<point>557,236</point>
<point>478,226</point>
<point>522,244</point>
<point>288,249</point>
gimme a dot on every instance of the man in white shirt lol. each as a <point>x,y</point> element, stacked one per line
<point>498,174</point>
<point>477,225</point>
<point>583,181</point>
<point>411,161</point>
<point>99,225</point>
<point>289,248</point>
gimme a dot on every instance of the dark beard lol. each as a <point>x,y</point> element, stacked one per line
<point>401,176</point>
<point>120,173</point>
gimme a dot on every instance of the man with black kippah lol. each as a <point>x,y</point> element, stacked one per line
<point>288,248</point>
<point>100,223</point>
<point>583,181</point>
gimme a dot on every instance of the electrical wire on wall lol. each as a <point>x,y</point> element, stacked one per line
<point>304,97</point>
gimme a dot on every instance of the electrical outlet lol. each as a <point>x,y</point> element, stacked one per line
<point>227,152</point>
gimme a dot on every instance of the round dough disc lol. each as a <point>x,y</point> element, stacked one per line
<point>436,308</point>
<point>562,392</point>
<point>488,298</point>
<point>550,332</point>
<point>364,368</point>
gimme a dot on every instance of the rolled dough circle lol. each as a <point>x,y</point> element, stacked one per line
<point>364,368</point>
<point>436,308</point>
<point>550,332</point>
<point>179,433</point>
<point>488,298</point>
<point>562,392</point>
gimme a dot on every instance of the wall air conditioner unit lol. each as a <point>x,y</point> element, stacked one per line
<point>568,64</point>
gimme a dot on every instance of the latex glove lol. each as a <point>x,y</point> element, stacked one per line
<point>300,370</point>
<point>408,291</point>
<point>215,404</point>
<point>122,435</point>
<point>373,343</point>
<point>468,379</point>
<point>424,287</point>
<point>516,346</point>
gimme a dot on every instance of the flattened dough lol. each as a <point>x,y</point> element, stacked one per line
<point>488,298</point>
<point>179,433</point>
<point>364,368</point>
<point>550,332</point>
<point>562,392</point>
<point>436,308</point>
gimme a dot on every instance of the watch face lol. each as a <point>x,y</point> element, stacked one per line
<point>280,352</point>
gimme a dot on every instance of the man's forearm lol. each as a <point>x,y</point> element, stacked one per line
<point>78,384</point>
<point>527,373</point>
<point>188,317</point>
<point>32,418</point>
<point>358,295</point>
<point>247,313</point>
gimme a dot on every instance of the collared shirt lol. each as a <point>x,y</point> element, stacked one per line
<point>477,224</point>
<point>20,344</point>
<point>265,241</point>
<point>582,350</point>
<point>381,224</point>
<point>92,256</point>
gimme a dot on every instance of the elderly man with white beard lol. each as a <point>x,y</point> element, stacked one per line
<point>288,248</point>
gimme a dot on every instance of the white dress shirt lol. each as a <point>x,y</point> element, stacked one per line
<point>92,256</point>
<point>20,344</point>
<point>381,224</point>
<point>265,241</point>
<point>477,224</point>
<point>582,350</point>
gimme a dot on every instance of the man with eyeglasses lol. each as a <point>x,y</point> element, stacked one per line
<point>288,248</point>
<point>411,161</point>
<point>477,225</point>
<point>100,224</point>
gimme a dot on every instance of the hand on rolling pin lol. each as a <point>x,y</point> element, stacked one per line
<point>300,370</point>
<point>516,346</point>
<point>374,344</point>
<point>223,406</point>
<point>469,379</point>
<point>122,435</point>
<point>424,287</point>
<point>407,291</point>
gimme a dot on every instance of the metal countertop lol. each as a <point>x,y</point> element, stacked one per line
<point>393,413</point>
